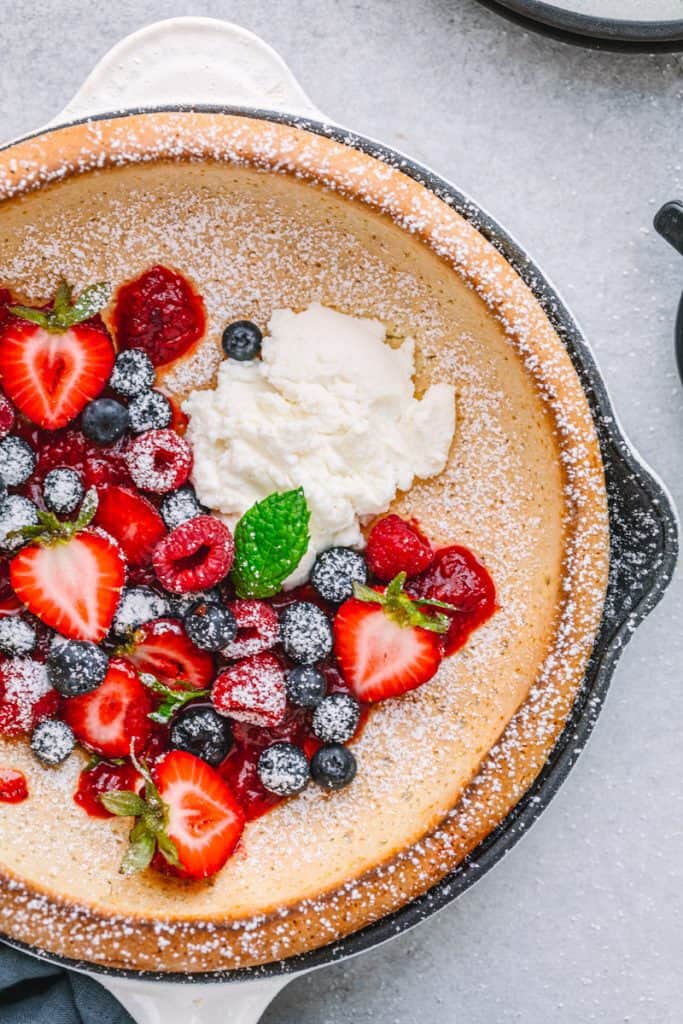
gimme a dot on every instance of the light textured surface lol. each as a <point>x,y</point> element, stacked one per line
<point>573,151</point>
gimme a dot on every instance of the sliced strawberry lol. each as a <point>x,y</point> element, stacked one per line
<point>71,585</point>
<point>252,691</point>
<point>51,377</point>
<point>378,657</point>
<point>132,521</point>
<point>204,819</point>
<point>163,649</point>
<point>110,718</point>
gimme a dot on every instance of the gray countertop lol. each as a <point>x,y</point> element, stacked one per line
<point>573,151</point>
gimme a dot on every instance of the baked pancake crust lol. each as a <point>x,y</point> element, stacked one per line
<point>523,488</point>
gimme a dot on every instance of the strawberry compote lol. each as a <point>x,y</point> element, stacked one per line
<point>13,787</point>
<point>160,313</point>
<point>459,578</point>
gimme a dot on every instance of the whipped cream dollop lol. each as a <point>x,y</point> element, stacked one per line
<point>329,407</point>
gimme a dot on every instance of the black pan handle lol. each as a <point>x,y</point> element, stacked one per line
<point>668,222</point>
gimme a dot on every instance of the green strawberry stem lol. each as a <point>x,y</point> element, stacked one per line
<point>174,698</point>
<point>49,529</point>
<point>404,610</point>
<point>149,832</point>
<point>65,313</point>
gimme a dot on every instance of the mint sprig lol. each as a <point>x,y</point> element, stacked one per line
<point>403,609</point>
<point>271,538</point>
<point>149,832</point>
<point>173,699</point>
<point>65,313</point>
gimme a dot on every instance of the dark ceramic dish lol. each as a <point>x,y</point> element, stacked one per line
<point>644,550</point>
<point>647,36</point>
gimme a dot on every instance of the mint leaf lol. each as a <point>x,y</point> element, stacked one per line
<point>271,538</point>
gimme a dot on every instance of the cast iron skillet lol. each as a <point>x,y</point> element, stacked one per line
<point>586,30</point>
<point>644,543</point>
<point>669,223</point>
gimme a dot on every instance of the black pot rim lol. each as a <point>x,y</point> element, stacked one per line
<point>622,467</point>
<point>625,36</point>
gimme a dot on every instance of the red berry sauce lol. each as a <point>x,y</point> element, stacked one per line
<point>160,313</point>
<point>92,782</point>
<point>458,577</point>
<point>13,787</point>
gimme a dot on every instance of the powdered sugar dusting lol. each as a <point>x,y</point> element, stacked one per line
<point>503,494</point>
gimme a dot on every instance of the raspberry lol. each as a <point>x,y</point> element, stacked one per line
<point>159,461</point>
<point>26,696</point>
<point>252,691</point>
<point>258,629</point>
<point>106,466</point>
<point>394,546</point>
<point>64,449</point>
<point>196,555</point>
<point>6,416</point>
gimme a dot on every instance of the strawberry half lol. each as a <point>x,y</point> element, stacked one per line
<point>132,521</point>
<point>385,643</point>
<point>163,649</point>
<point>110,718</point>
<point>205,821</point>
<point>71,578</point>
<point>51,362</point>
<point>187,822</point>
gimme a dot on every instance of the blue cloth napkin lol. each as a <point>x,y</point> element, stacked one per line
<point>33,991</point>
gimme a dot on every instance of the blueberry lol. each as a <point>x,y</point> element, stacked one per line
<point>133,373</point>
<point>305,632</point>
<point>182,603</point>
<point>52,741</point>
<point>138,605</point>
<point>17,461</point>
<point>283,769</point>
<point>211,627</point>
<point>149,411</point>
<point>203,732</point>
<point>104,421</point>
<point>335,719</point>
<point>17,636</point>
<point>179,506</point>
<point>16,512</point>
<point>335,571</point>
<point>306,687</point>
<point>333,766</point>
<point>242,340</point>
<point>62,491</point>
<point>76,667</point>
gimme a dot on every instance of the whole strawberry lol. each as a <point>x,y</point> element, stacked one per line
<point>396,545</point>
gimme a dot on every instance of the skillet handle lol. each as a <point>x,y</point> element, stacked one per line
<point>164,1002</point>
<point>644,541</point>
<point>190,61</point>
